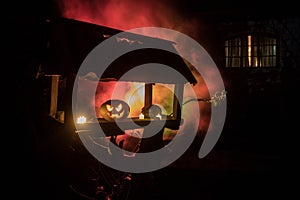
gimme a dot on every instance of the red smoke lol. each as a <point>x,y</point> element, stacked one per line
<point>129,14</point>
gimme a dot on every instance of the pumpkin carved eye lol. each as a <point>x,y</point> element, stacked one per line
<point>119,108</point>
<point>109,107</point>
<point>114,109</point>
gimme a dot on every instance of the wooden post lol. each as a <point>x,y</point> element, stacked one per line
<point>54,95</point>
<point>148,95</point>
<point>70,86</point>
<point>148,98</point>
<point>178,97</point>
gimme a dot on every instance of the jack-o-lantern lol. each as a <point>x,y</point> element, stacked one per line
<point>154,111</point>
<point>114,110</point>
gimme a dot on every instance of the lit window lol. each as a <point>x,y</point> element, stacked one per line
<point>251,50</point>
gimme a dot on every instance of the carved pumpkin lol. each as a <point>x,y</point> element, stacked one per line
<point>114,109</point>
<point>152,112</point>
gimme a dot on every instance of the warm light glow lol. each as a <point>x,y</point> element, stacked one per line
<point>132,14</point>
<point>135,97</point>
<point>141,116</point>
<point>249,50</point>
<point>158,116</point>
<point>81,120</point>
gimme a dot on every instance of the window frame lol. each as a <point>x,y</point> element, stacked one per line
<point>266,48</point>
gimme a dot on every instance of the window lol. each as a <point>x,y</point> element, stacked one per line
<point>251,50</point>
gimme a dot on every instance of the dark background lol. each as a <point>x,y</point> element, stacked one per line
<point>267,169</point>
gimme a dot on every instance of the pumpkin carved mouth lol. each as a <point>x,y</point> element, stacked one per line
<point>117,115</point>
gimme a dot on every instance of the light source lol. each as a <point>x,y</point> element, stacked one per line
<point>114,109</point>
<point>152,112</point>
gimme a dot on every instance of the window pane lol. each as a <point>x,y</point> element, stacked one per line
<point>255,62</point>
<point>268,52</point>
<point>233,52</point>
<point>251,51</point>
<point>236,62</point>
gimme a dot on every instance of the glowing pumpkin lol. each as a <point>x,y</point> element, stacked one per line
<point>114,109</point>
<point>154,111</point>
